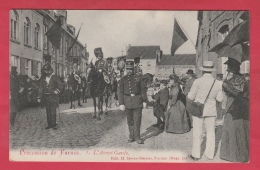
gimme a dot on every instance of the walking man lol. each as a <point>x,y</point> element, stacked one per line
<point>191,79</point>
<point>201,88</point>
<point>132,99</point>
<point>49,90</point>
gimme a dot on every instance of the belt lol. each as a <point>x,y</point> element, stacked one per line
<point>131,94</point>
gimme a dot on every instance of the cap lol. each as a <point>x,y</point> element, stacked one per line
<point>129,65</point>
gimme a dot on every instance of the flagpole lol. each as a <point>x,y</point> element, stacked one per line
<point>74,41</point>
<point>184,31</point>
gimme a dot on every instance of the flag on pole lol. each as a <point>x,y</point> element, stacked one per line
<point>54,33</point>
<point>178,37</point>
<point>76,38</point>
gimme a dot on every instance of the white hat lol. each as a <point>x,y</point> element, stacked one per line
<point>207,66</point>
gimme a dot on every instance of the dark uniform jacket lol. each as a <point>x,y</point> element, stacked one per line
<point>132,92</point>
<point>48,90</point>
<point>161,102</point>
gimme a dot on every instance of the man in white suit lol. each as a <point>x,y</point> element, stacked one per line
<point>199,91</point>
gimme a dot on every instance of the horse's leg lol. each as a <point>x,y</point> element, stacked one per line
<point>71,99</point>
<point>99,108</point>
<point>95,111</point>
<point>106,101</point>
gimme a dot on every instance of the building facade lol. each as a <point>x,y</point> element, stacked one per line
<point>214,26</point>
<point>30,47</point>
<point>26,45</point>
<point>180,63</point>
<point>149,56</point>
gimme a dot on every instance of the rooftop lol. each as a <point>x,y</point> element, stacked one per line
<point>178,59</point>
<point>144,52</point>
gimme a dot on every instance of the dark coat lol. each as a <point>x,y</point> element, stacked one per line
<point>132,84</point>
<point>161,102</point>
<point>14,92</point>
<point>45,90</point>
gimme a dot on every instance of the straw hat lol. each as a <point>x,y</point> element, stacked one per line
<point>207,66</point>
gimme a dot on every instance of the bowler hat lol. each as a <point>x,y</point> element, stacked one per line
<point>207,66</point>
<point>190,71</point>
<point>129,65</point>
<point>232,61</point>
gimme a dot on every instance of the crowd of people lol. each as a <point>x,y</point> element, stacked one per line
<point>226,103</point>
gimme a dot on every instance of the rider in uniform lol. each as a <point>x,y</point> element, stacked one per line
<point>132,99</point>
<point>75,85</point>
<point>100,64</point>
<point>137,69</point>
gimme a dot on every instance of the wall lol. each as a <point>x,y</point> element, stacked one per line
<point>164,71</point>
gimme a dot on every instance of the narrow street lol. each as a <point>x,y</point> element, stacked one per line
<point>77,130</point>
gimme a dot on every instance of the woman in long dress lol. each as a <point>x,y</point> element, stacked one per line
<point>235,134</point>
<point>176,118</point>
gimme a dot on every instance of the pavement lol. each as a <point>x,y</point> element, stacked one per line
<point>78,130</point>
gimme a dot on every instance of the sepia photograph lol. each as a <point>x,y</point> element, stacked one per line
<point>153,86</point>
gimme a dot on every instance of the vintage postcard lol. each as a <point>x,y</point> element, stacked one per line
<point>147,86</point>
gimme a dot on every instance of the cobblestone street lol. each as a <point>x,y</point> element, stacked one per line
<point>77,130</point>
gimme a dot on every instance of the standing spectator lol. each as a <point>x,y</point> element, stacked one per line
<point>176,118</point>
<point>14,99</point>
<point>191,79</point>
<point>235,135</point>
<point>220,105</point>
<point>84,87</point>
<point>201,88</point>
<point>132,99</point>
<point>137,69</point>
<point>49,90</point>
<point>161,98</point>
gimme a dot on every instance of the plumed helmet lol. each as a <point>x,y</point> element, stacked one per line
<point>98,51</point>
<point>137,60</point>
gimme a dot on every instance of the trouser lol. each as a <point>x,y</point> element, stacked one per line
<point>51,112</point>
<point>197,134</point>
<point>134,118</point>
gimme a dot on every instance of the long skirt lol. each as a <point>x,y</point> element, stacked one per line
<point>176,119</point>
<point>235,140</point>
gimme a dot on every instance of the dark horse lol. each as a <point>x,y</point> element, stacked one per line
<point>98,89</point>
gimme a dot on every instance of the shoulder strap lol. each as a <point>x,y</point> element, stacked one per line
<point>209,91</point>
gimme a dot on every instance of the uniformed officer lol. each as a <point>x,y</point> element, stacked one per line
<point>49,90</point>
<point>132,99</point>
<point>110,70</point>
<point>100,63</point>
<point>137,69</point>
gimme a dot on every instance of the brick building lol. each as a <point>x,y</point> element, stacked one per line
<point>214,26</point>
<point>30,47</point>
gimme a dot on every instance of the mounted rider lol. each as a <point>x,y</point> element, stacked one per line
<point>101,64</point>
<point>110,70</point>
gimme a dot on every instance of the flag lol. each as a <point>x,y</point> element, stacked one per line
<point>74,41</point>
<point>178,37</point>
<point>54,33</point>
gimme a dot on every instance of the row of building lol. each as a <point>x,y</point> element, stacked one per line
<point>30,47</point>
<point>214,26</point>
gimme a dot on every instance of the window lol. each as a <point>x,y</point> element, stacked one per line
<point>45,38</point>
<point>39,66</point>
<point>75,51</point>
<point>14,61</point>
<point>61,46</point>
<point>66,47</point>
<point>27,67</point>
<point>53,50</point>
<point>36,36</point>
<point>14,25</point>
<point>27,26</point>
<point>223,32</point>
<point>148,63</point>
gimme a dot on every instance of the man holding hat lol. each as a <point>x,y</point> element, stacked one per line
<point>137,69</point>
<point>49,90</point>
<point>191,79</point>
<point>132,99</point>
<point>205,90</point>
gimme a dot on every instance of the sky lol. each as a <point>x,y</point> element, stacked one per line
<point>113,30</point>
